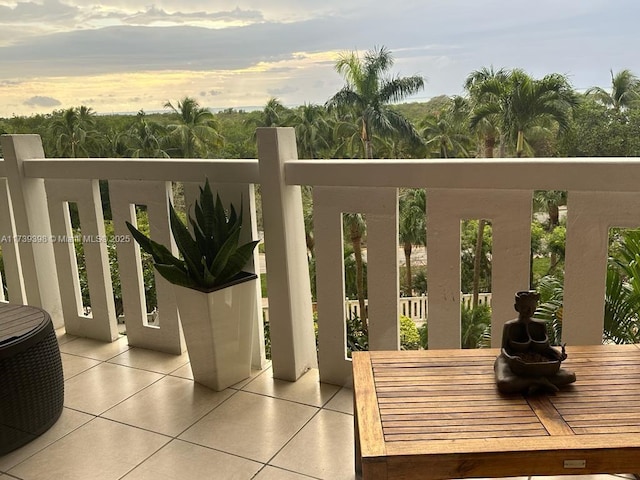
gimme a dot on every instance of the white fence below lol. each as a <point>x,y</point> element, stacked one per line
<point>416,308</point>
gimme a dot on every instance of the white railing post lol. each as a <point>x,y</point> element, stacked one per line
<point>32,227</point>
<point>101,323</point>
<point>10,254</point>
<point>379,205</point>
<point>586,259</point>
<point>124,195</point>
<point>510,213</point>
<point>289,289</point>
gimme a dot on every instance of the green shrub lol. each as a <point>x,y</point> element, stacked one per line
<point>409,336</point>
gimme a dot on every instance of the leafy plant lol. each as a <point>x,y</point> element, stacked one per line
<point>409,335</point>
<point>210,258</point>
<point>475,324</point>
<point>622,301</point>
<point>550,307</point>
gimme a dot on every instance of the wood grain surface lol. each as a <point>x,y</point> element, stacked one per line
<point>438,414</point>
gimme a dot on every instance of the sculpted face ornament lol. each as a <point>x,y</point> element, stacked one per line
<point>527,362</point>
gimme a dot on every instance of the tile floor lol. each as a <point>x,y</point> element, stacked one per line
<point>133,414</point>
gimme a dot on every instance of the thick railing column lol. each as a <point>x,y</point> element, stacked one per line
<point>33,230</point>
<point>293,349</point>
<point>590,216</point>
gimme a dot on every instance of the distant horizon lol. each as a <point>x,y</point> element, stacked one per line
<point>114,58</point>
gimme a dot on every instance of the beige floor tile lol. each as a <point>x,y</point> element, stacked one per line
<point>62,336</point>
<point>186,372</point>
<point>169,406</point>
<point>183,372</point>
<point>342,401</point>
<point>149,360</point>
<point>86,347</point>
<point>273,473</point>
<point>99,450</point>
<point>69,420</point>
<point>72,365</point>
<point>323,449</point>
<point>251,426</point>
<point>254,374</point>
<point>185,461</point>
<point>104,386</point>
<point>307,389</point>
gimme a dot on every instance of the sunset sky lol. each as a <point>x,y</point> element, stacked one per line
<point>125,55</point>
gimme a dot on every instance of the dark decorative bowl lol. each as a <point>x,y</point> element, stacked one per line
<point>533,364</point>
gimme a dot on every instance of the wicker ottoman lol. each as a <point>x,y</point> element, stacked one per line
<point>31,380</point>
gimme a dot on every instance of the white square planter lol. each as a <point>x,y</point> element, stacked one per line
<point>218,330</point>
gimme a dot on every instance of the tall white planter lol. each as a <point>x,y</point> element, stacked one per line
<point>218,330</point>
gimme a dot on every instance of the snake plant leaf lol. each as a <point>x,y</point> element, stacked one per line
<point>186,244</point>
<point>225,252</point>
<point>238,260</point>
<point>210,280</point>
<point>207,209</point>
<point>204,243</point>
<point>233,217</point>
<point>220,226</point>
<point>159,252</point>
<point>175,275</point>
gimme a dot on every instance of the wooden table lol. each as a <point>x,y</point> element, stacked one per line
<point>438,414</point>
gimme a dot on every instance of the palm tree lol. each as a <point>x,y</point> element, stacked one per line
<point>145,139</point>
<point>345,137</point>
<point>369,91</point>
<point>486,128</point>
<point>622,295</point>
<point>312,129</point>
<point>625,91</point>
<point>354,224</point>
<point>412,228</point>
<point>550,201</point>
<point>273,113</point>
<point>71,129</point>
<point>196,131</point>
<point>550,308</point>
<point>521,103</point>
<point>447,130</point>
<point>622,300</point>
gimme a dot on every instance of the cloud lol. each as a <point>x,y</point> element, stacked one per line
<point>211,93</point>
<point>282,90</point>
<point>51,11</point>
<point>157,15</point>
<point>177,47</point>
<point>40,101</point>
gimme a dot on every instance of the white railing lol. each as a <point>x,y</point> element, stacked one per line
<point>415,308</point>
<point>33,209</point>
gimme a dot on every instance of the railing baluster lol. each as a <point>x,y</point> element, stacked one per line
<point>101,324</point>
<point>30,214</point>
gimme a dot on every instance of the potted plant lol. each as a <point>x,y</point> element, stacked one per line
<point>217,300</point>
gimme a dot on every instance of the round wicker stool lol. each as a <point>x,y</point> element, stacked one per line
<point>31,380</point>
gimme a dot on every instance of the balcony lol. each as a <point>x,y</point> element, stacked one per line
<point>133,413</point>
<point>132,409</point>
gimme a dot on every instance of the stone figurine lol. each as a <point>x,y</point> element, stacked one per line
<point>527,362</point>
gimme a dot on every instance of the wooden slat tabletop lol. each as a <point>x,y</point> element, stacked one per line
<point>438,414</point>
